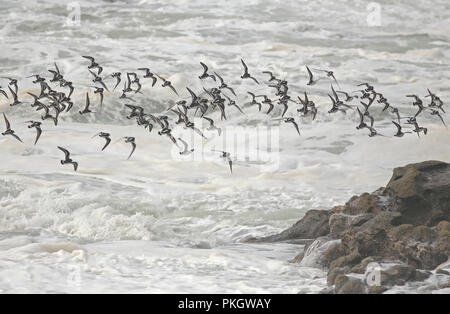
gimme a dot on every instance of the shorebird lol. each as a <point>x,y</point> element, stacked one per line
<point>185,150</point>
<point>107,138</point>
<point>132,141</point>
<point>10,131</point>
<point>118,78</point>
<point>67,159</point>
<point>205,74</point>
<point>167,83</point>
<point>254,102</point>
<point>348,98</point>
<point>16,100</point>
<point>99,90</point>
<point>227,157</point>
<point>436,113</point>
<point>98,79</point>
<point>212,127</point>
<point>93,64</point>
<point>47,115</point>
<point>3,93</point>
<point>272,77</point>
<point>417,128</point>
<point>12,82</point>
<point>362,124</point>
<point>37,126</point>
<point>86,108</point>
<point>246,75</point>
<point>223,85</point>
<point>292,120</point>
<point>399,133</point>
<point>149,74</point>
<point>311,81</point>
<point>329,74</point>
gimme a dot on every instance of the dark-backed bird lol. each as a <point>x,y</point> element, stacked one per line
<point>167,83</point>
<point>399,133</point>
<point>227,157</point>
<point>37,126</point>
<point>132,141</point>
<point>86,107</point>
<point>149,74</point>
<point>107,138</point>
<point>246,75</point>
<point>15,99</point>
<point>10,131</point>
<point>94,64</point>
<point>205,73</point>
<point>67,159</point>
<point>224,85</point>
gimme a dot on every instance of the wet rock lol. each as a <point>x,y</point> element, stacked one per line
<point>320,253</point>
<point>404,227</point>
<point>345,284</point>
<point>340,222</point>
<point>422,193</point>
<point>397,275</point>
<point>313,225</point>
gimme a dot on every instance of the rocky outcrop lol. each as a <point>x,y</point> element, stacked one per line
<point>314,224</point>
<point>392,236</point>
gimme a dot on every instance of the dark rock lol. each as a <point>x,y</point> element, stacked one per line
<point>313,225</point>
<point>347,260</point>
<point>340,222</point>
<point>334,272</point>
<point>397,275</point>
<point>377,289</point>
<point>422,192</point>
<point>344,284</point>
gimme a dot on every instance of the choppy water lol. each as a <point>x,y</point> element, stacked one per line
<point>158,224</point>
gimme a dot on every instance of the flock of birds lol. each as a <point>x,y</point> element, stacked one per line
<point>53,103</point>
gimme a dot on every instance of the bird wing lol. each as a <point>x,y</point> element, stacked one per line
<point>205,68</point>
<point>133,144</point>
<point>245,66</point>
<point>65,151</point>
<point>89,58</point>
<point>184,144</point>
<point>8,126</point>
<point>220,78</point>
<point>38,134</point>
<point>87,101</point>
<point>310,74</point>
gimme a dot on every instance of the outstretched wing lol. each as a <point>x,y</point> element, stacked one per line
<point>245,66</point>
<point>205,68</point>
<point>8,126</point>
<point>65,151</point>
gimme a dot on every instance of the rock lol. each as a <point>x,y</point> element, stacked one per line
<point>421,246</point>
<point>377,289</point>
<point>369,239</point>
<point>397,275</point>
<point>346,284</point>
<point>422,193</point>
<point>347,260</point>
<point>340,222</point>
<point>334,272</point>
<point>361,267</point>
<point>313,225</point>
<point>442,271</point>
<point>320,253</point>
<point>406,223</point>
